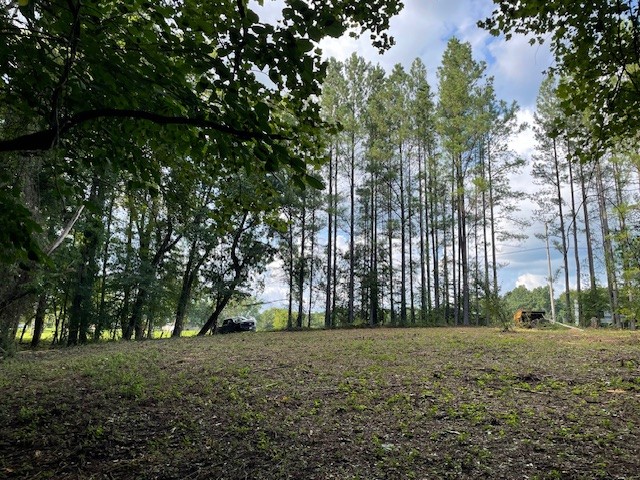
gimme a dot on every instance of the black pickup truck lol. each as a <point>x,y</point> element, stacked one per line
<point>237,324</point>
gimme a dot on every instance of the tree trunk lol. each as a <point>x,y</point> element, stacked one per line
<point>311,262</point>
<point>238,272</point>
<point>373,296</point>
<point>446,290</point>
<point>390,246</point>
<point>435,238</point>
<point>422,209</point>
<point>403,248</point>
<point>188,279</point>
<point>330,210</point>
<point>624,242</point>
<point>486,173</point>
<point>82,302</point>
<point>463,244</point>
<point>410,221</point>
<point>124,310</point>
<point>39,320</point>
<point>148,270</point>
<point>590,311</point>
<point>334,273</point>
<point>492,223</point>
<point>302,269</point>
<point>612,280</point>
<point>103,277</point>
<point>563,235</point>
<point>291,271</point>
<point>580,320</point>
<point>352,219</point>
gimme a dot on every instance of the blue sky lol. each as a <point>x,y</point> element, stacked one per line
<point>422,30</point>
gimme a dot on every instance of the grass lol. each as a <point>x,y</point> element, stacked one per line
<point>49,332</point>
<point>358,404</point>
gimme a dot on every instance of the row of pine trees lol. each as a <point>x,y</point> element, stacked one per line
<point>418,193</point>
<point>418,201</point>
<point>421,197</point>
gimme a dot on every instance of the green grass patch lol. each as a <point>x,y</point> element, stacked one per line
<point>383,403</point>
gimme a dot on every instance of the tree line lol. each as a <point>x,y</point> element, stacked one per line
<point>140,182</point>
<point>414,190</point>
<point>133,133</point>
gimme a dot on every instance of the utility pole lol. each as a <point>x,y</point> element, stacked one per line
<point>553,305</point>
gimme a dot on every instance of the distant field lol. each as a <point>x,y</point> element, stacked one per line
<point>354,404</point>
<point>48,333</point>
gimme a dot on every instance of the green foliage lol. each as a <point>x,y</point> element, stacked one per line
<point>273,319</point>
<point>595,45</point>
<point>180,76</point>
<point>496,310</point>
<point>459,88</point>
<point>522,297</point>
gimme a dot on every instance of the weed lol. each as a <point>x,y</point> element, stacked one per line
<point>439,403</point>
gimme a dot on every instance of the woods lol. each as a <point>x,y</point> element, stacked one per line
<point>416,190</point>
<point>158,167</point>
<point>141,116</point>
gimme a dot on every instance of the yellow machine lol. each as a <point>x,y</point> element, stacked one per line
<point>529,318</point>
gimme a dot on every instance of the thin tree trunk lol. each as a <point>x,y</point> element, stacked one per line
<point>148,270</point>
<point>454,252</point>
<point>446,290</point>
<point>486,169</point>
<point>38,326</point>
<point>291,271</point>
<point>422,182</point>
<point>302,269</point>
<point>311,262</point>
<point>492,223</point>
<point>82,304</point>
<point>591,311</point>
<point>330,214</point>
<point>435,238</point>
<point>612,280</point>
<point>103,283</point>
<point>623,229</point>
<point>124,310</point>
<point>403,248</point>
<point>352,219</point>
<point>390,246</point>
<point>238,269</point>
<point>463,244</point>
<point>188,280</point>
<point>580,320</point>
<point>563,235</point>
<point>373,307</point>
<point>335,247</point>
<point>410,221</point>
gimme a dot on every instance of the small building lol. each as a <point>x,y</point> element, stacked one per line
<point>529,318</point>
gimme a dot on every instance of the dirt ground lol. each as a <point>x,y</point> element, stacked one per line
<point>346,404</point>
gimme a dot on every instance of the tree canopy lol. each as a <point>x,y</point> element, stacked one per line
<point>198,76</point>
<point>597,48</point>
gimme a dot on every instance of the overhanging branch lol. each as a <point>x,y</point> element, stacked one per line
<point>47,139</point>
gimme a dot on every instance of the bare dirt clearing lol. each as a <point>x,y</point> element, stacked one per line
<point>374,404</point>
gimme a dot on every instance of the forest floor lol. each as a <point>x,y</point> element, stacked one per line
<point>347,404</point>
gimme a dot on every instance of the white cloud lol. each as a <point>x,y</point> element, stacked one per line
<point>274,289</point>
<point>524,144</point>
<point>422,30</point>
<point>518,68</point>
<point>531,281</point>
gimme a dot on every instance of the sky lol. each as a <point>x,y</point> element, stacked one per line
<point>422,30</point>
